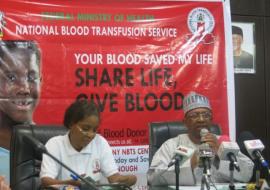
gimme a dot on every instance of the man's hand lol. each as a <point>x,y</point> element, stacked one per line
<point>194,160</point>
<point>212,140</point>
<point>129,180</point>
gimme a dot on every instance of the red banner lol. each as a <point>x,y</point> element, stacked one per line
<point>135,59</point>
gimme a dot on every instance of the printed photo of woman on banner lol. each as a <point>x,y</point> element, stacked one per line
<point>20,84</point>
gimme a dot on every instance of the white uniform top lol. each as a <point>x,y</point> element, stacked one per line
<point>94,160</point>
<point>159,173</point>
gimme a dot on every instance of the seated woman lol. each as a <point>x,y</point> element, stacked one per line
<point>82,149</point>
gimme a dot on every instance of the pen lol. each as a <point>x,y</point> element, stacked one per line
<point>74,177</point>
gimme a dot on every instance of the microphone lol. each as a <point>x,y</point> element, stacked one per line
<point>203,133</point>
<point>33,142</point>
<point>182,153</point>
<point>254,147</point>
<point>205,153</point>
<point>38,146</point>
<point>228,151</point>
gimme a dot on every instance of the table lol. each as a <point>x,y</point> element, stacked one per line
<point>220,186</point>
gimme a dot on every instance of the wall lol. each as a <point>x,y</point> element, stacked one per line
<point>252,90</point>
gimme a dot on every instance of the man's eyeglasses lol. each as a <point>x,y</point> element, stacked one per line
<point>197,115</point>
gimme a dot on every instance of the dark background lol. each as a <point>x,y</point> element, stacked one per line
<point>252,91</point>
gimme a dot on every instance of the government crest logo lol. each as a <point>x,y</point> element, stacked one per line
<point>201,23</point>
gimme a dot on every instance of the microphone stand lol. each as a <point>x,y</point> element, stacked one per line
<point>176,163</point>
<point>257,174</point>
<point>206,174</point>
<point>231,167</point>
<point>177,171</point>
<point>267,177</point>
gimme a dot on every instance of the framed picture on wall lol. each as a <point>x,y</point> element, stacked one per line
<point>244,47</point>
